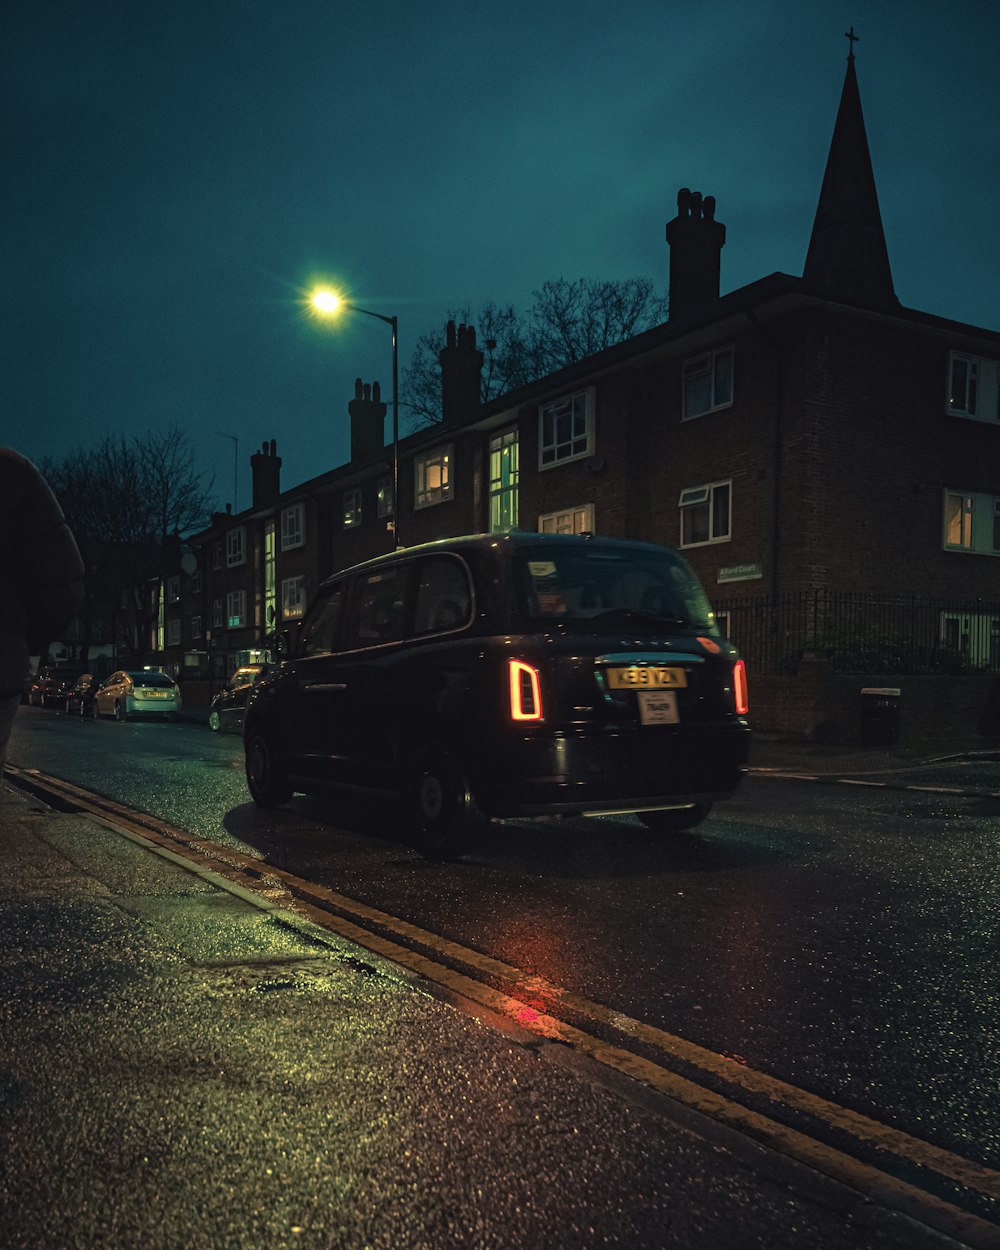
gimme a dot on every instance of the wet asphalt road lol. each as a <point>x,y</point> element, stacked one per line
<point>840,938</point>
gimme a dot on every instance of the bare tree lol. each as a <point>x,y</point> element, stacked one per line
<point>567,322</point>
<point>125,499</point>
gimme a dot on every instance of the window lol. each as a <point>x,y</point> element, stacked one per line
<point>708,383</point>
<point>270,598</point>
<point>971,522</point>
<point>705,514</point>
<point>236,608</point>
<point>217,617</point>
<point>174,632</point>
<point>578,520</point>
<point>197,627</point>
<point>385,496</point>
<point>216,555</point>
<point>973,387</point>
<point>352,508</point>
<point>173,589</point>
<point>433,482</point>
<point>444,597</point>
<point>503,482</point>
<point>566,430</point>
<point>196,582</point>
<point>377,607</point>
<point>292,527</point>
<point>293,597</point>
<point>235,546</point>
<point>321,628</point>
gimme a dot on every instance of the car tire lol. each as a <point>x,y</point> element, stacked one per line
<point>120,712</point>
<point>445,817</point>
<point>266,779</point>
<point>214,723</point>
<point>675,819</point>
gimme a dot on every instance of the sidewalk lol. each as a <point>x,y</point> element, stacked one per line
<point>772,754</point>
<point>187,1067</point>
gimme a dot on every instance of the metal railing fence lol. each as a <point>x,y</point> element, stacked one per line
<point>864,633</point>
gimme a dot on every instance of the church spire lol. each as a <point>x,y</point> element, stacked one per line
<point>847,255</point>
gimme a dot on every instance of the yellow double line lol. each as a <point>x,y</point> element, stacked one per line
<point>530,1002</point>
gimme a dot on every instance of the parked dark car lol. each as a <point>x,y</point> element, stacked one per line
<point>507,675</point>
<point>52,684</point>
<point>80,697</point>
<point>229,705</point>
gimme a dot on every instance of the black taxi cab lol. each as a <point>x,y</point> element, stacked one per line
<point>507,675</point>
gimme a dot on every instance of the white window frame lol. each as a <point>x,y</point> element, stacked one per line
<point>704,496</point>
<point>696,370</point>
<point>504,463</point>
<point>977,515</point>
<point>577,520</point>
<point>293,527</point>
<point>570,432</point>
<point>433,480</point>
<point>217,550</point>
<point>236,609</point>
<point>293,597</point>
<point>218,616</point>
<point>173,588</point>
<point>236,546</point>
<point>197,626</point>
<point>980,390</point>
<point>174,631</point>
<point>352,508</point>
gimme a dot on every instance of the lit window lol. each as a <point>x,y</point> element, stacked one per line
<point>292,527</point>
<point>972,522</point>
<point>433,482</point>
<point>579,520</point>
<point>708,383</point>
<point>385,496</point>
<point>293,597</point>
<point>705,514</point>
<point>235,546</point>
<point>236,608</point>
<point>352,508</point>
<point>503,482</point>
<point>566,430</point>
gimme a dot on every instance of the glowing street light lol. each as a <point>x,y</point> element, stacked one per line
<point>328,303</point>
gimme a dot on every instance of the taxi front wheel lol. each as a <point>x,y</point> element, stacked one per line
<point>265,778</point>
<point>443,811</point>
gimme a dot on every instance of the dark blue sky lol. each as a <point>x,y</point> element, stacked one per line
<point>177,174</point>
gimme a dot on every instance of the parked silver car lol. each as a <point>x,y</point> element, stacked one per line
<point>145,692</point>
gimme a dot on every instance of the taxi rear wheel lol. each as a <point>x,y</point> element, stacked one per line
<point>675,819</point>
<point>265,777</point>
<point>444,814</point>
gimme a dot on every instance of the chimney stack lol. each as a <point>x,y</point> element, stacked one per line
<point>696,240</point>
<point>367,422</point>
<point>461,374</point>
<point>265,471</point>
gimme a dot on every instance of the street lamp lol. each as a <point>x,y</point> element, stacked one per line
<point>328,303</point>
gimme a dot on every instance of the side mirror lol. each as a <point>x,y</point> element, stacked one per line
<point>285,641</point>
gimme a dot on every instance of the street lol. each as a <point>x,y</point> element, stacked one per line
<point>820,957</point>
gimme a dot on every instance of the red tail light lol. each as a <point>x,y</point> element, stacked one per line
<point>740,691</point>
<point>525,691</point>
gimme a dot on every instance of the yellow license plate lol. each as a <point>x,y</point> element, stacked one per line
<point>643,677</point>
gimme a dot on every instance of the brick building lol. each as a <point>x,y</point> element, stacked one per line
<point>797,436</point>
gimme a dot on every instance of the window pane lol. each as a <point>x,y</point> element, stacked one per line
<point>723,378</point>
<point>720,512</point>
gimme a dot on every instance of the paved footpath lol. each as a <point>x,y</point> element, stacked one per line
<point>185,1066</point>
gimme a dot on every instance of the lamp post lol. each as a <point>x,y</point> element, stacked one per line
<point>327,303</point>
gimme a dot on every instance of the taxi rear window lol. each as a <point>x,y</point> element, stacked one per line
<point>582,585</point>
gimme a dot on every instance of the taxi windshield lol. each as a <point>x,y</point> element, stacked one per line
<point>608,586</point>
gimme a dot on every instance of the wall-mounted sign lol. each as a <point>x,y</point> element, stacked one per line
<point>740,573</point>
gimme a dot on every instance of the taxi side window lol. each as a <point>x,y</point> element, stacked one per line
<point>378,607</point>
<point>320,628</point>
<point>443,598</point>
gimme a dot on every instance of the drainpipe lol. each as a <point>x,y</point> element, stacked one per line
<point>779,400</point>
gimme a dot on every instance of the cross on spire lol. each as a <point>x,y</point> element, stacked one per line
<point>849,34</point>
